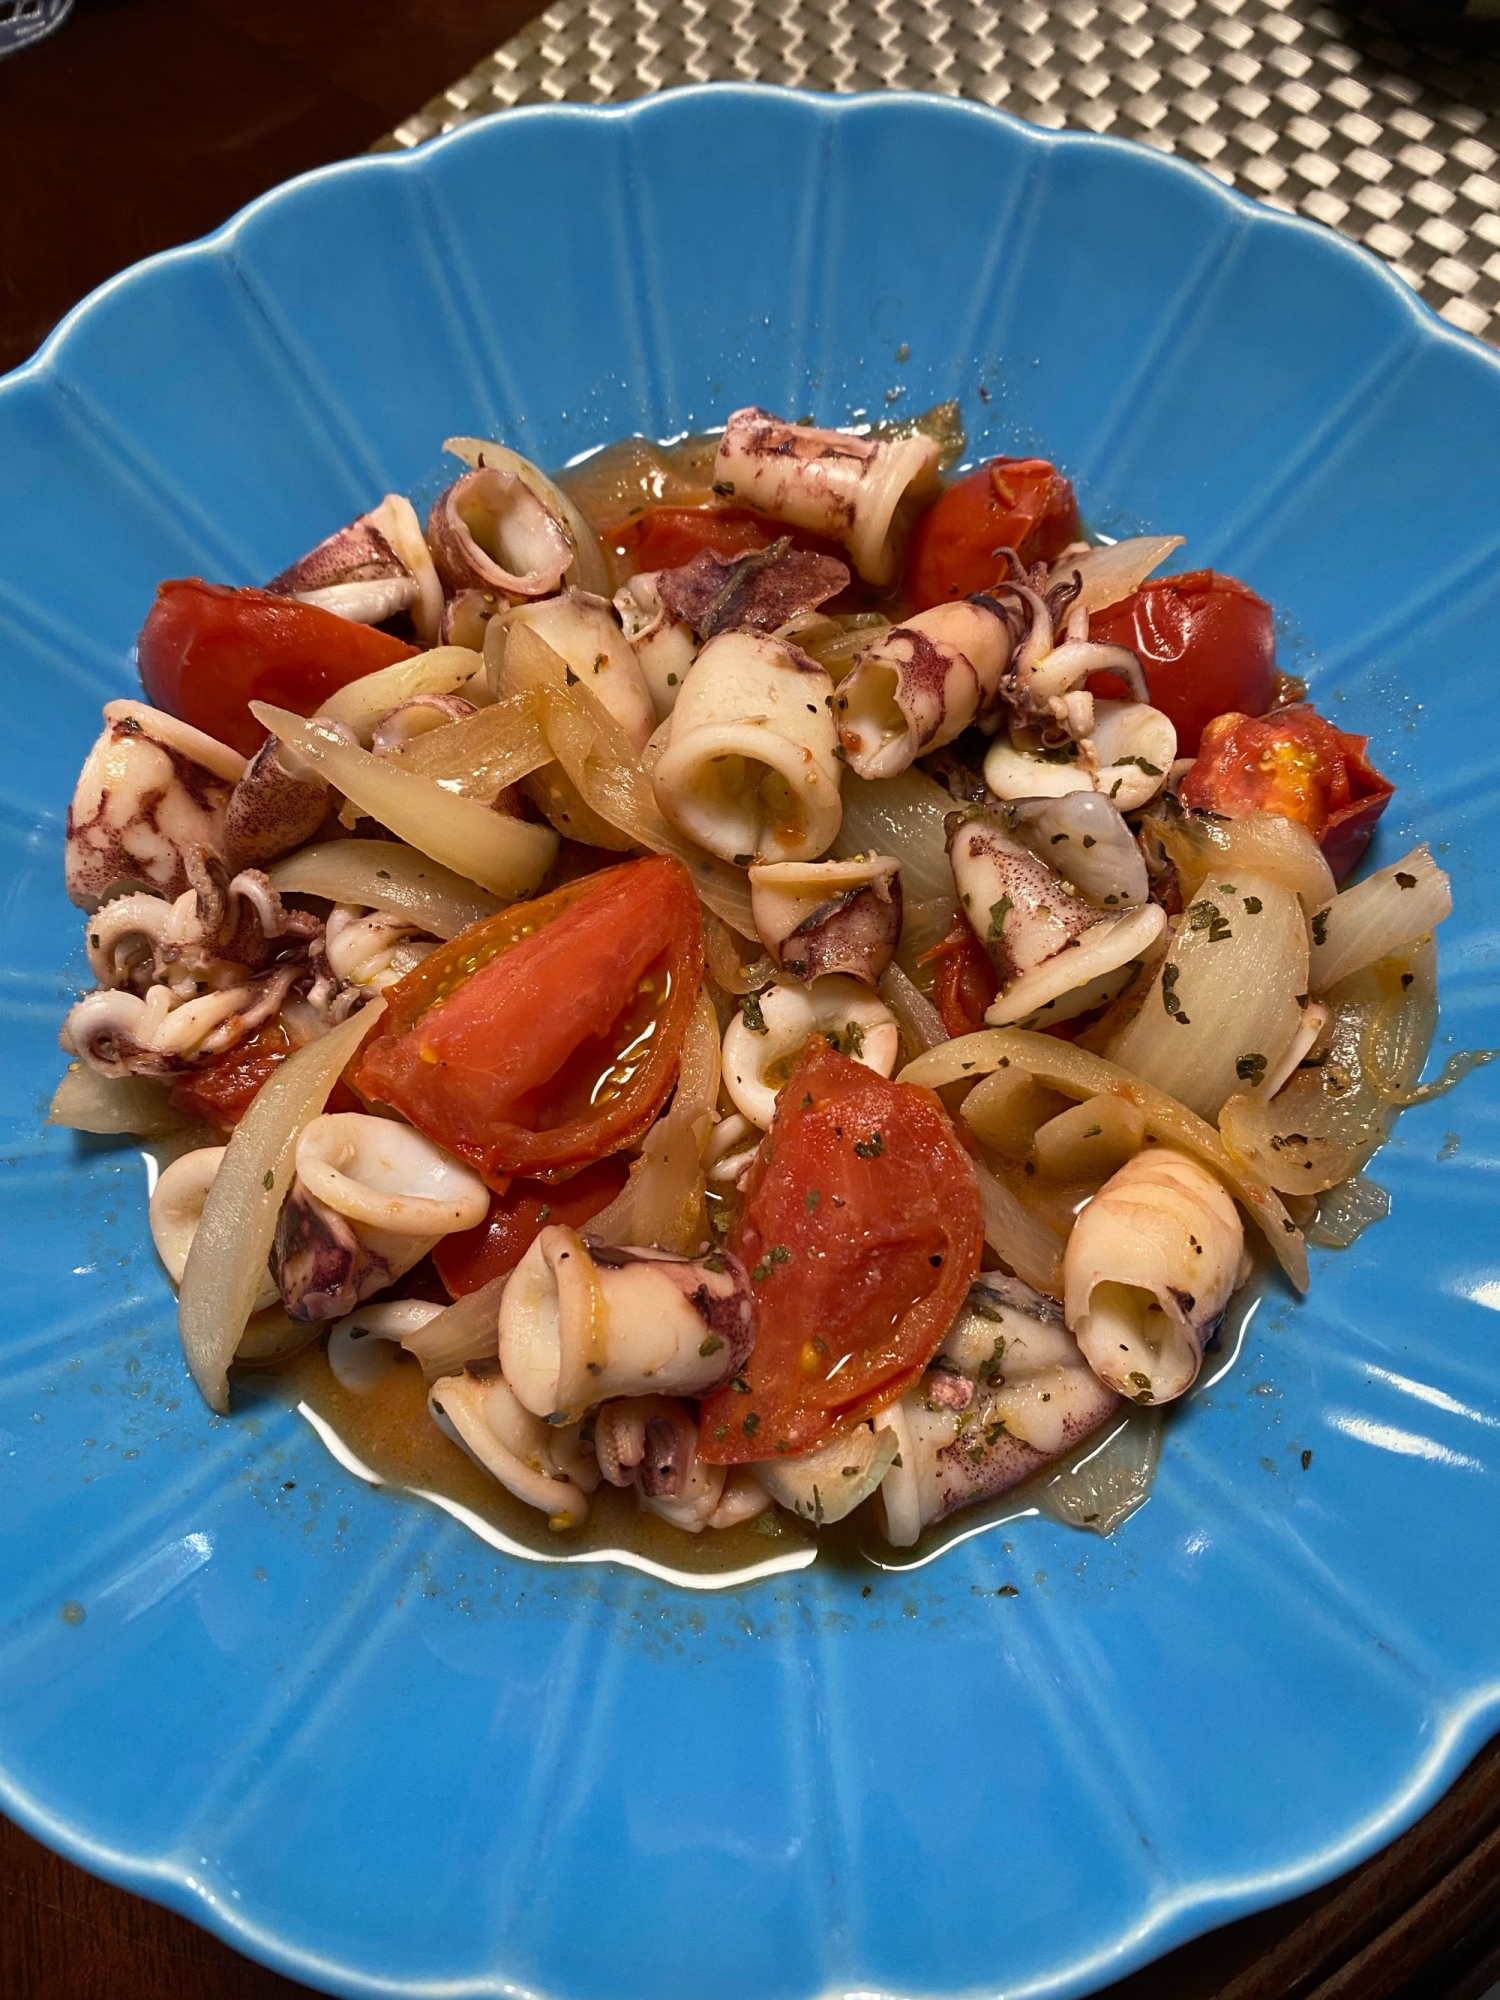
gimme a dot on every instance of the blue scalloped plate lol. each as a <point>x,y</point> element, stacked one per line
<point>336,1728</point>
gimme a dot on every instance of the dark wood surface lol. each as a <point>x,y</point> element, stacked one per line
<point>144,123</point>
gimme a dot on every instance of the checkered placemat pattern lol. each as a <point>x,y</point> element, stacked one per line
<point>1334,116</point>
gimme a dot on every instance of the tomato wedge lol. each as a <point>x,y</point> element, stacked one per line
<point>1023,504</point>
<point>1207,644</point>
<point>517,1217</point>
<point>861,1229</point>
<point>1298,764</point>
<point>206,652</point>
<point>964,983</point>
<point>545,1037</point>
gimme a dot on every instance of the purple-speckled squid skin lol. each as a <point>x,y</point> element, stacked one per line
<point>464,564</point>
<point>755,592</point>
<point>322,1268</point>
<point>140,805</point>
<point>271,812</point>
<point>1017,907</point>
<point>856,934</point>
<point>646,1441</point>
<point>717,1287</point>
<point>357,553</point>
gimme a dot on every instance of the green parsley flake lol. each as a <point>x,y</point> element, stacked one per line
<point>998,913</point>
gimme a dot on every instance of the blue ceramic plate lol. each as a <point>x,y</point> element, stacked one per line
<point>332,1725</point>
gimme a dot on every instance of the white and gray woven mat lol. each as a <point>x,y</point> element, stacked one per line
<point>1334,116</point>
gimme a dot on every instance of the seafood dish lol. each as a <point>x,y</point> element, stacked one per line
<point>764,975</point>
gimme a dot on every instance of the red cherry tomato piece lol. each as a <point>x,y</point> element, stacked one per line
<point>964,983</point>
<point>517,1217</point>
<point>206,652</point>
<point>1297,764</point>
<point>221,1091</point>
<point>1023,504</point>
<point>668,537</point>
<point>539,1040</point>
<point>1207,644</point>
<point>861,1229</point>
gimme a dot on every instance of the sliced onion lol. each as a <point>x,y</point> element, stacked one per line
<point>588,570</point>
<point>227,1262</point>
<point>273,1336</point>
<point>1074,1071</point>
<point>663,1201</point>
<point>920,1022</point>
<point>468,1330</point>
<point>1340,1105</point>
<point>507,856</point>
<point>363,702</point>
<point>85,1101</point>
<point>826,1484</point>
<point>631,473</point>
<point>1206,848</point>
<point>1378,916</point>
<point>1347,1211</point>
<point>598,757</point>
<point>1109,1477</point>
<point>387,876</point>
<point>480,756</point>
<point>1111,573</point>
<point>1031,1248</point>
<point>737,965</point>
<point>904,817</point>
<point>1223,1007</point>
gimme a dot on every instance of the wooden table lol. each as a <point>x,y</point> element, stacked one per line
<point>144,123</point>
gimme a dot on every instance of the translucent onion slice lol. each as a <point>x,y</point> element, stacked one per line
<point>919,1021</point>
<point>588,570</point>
<point>1113,572</point>
<point>1205,848</point>
<point>384,875</point>
<point>1347,1211</point>
<point>1065,1067</point>
<point>904,817</point>
<point>507,856</point>
<point>484,753</point>
<point>663,1201</point>
<point>1338,1107</point>
<point>85,1101</point>
<point>1029,1245</point>
<point>468,1330</point>
<point>1378,916</point>
<point>1108,1477</point>
<point>826,1484</point>
<point>633,472</point>
<point>598,757</point>
<point>363,702</point>
<point>227,1262</point>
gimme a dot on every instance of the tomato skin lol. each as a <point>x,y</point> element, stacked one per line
<point>516,1218</point>
<point>498,1044</point>
<point>1295,763</point>
<point>1023,504</point>
<point>220,1092</point>
<point>1207,644</point>
<point>965,982</point>
<point>855,1288</point>
<point>668,537</point>
<point>207,651</point>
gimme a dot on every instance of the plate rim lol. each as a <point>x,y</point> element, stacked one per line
<point>1184,1911</point>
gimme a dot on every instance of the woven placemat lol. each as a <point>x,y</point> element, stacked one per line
<point>1330,115</point>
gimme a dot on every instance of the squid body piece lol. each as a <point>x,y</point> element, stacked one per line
<point>386,1175</point>
<point>1149,1268</point>
<point>177,1208</point>
<point>848,488</point>
<point>151,789</point>
<point>664,646</point>
<point>369,571</point>
<point>1126,755</point>
<point>749,770</point>
<point>764,1041</point>
<point>1046,943</point>
<point>539,1463</point>
<point>490,531</point>
<point>582,1322</point>
<point>363,1349</point>
<point>817,917</point>
<point>582,631</point>
<point>276,806</point>
<point>919,686</point>
<point>1008,1393</point>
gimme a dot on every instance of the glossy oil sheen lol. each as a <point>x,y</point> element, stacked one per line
<point>391,1760</point>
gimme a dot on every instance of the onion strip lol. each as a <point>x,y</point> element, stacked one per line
<point>1110,573</point>
<point>480,756</point>
<point>1066,1067</point>
<point>384,875</point>
<point>507,856</point>
<point>1389,909</point>
<point>597,755</point>
<point>227,1262</point>
<point>85,1101</point>
<point>1032,1249</point>
<point>362,703</point>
